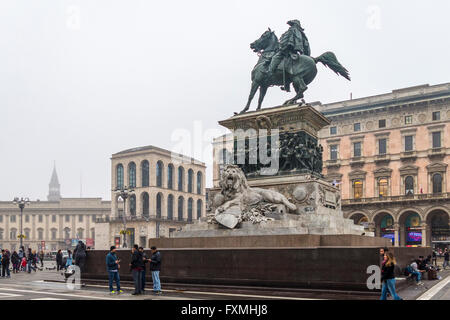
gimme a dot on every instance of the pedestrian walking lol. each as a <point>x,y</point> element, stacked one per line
<point>59,260</point>
<point>69,260</point>
<point>144,269</point>
<point>155,268</point>
<point>30,261</point>
<point>41,257</point>
<point>446,259</point>
<point>136,267</point>
<point>388,277</point>
<point>434,258</point>
<point>112,267</point>
<point>79,255</point>
<point>5,264</point>
<point>15,260</point>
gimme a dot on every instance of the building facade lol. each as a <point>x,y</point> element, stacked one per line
<point>51,225</point>
<point>389,155</point>
<point>169,192</point>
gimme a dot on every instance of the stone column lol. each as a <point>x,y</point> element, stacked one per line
<point>396,233</point>
<point>424,234</point>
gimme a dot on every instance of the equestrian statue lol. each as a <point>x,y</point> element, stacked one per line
<point>287,61</point>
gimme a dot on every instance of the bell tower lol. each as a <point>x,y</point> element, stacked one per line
<point>54,187</point>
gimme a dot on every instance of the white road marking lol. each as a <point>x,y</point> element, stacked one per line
<point>434,290</point>
<point>48,299</point>
<point>57,294</point>
<point>9,295</point>
<point>220,294</point>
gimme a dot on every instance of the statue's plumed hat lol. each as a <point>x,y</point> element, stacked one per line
<point>295,22</point>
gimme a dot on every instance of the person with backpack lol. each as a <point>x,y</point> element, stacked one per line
<point>136,266</point>
<point>388,277</point>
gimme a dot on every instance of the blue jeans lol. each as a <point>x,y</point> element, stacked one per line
<point>143,280</point>
<point>389,284</point>
<point>30,266</point>
<point>113,276</point>
<point>417,274</point>
<point>156,281</point>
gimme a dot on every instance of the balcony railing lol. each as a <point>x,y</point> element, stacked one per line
<point>412,197</point>
<point>143,219</point>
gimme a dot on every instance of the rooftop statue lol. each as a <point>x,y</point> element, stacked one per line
<point>287,61</point>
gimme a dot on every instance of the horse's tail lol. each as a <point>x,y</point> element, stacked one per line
<point>329,60</point>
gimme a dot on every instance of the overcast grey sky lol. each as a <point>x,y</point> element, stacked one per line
<point>82,79</point>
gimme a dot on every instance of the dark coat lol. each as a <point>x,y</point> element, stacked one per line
<point>80,251</point>
<point>387,272</point>
<point>155,264</point>
<point>137,262</point>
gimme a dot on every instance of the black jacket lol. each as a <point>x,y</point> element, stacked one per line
<point>59,257</point>
<point>387,272</point>
<point>15,258</point>
<point>155,264</point>
<point>136,260</point>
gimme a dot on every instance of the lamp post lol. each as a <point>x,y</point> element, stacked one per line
<point>21,203</point>
<point>124,193</point>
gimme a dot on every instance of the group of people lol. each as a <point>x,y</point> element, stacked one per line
<point>78,257</point>
<point>138,267</point>
<point>22,261</point>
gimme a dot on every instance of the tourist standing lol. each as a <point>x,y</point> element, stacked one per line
<point>155,268</point>
<point>112,266</point>
<point>388,277</point>
<point>59,260</point>
<point>41,257</point>
<point>69,259</point>
<point>30,261</point>
<point>136,266</point>
<point>145,261</point>
<point>434,258</point>
<point>446,259</point>
<point>5,264</point>
<point>15,260</point>
<point>79,255</point>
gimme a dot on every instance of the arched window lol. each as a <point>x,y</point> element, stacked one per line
<point>41,234</point>
<point>119,176</point>
<point>13,234</point>
<point>54,233</point>
<point>80,233</point>
<point>357,189</point>
<point>180,178</point>
<point>170,207</point>
<point>145,171</point>
<point>190,180</point>
<point>437,183</point>
<point>159,173</point>
<point>1,234</point>
<point>199,208</point>
<point>132,175</point>
<point>190,203</point>
<point>199,182</point>
<point>158,205</point>
<point>133,205</point>
<point>170,176</point>
<point>409,185</point>
<point>180,208</point>
<point>93,233</point>
<point>145,205</point>
<point>26,232</point>
<point>66,233</point>
<point>383,187</point>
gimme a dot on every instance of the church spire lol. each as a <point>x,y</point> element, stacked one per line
<point>54,187</point>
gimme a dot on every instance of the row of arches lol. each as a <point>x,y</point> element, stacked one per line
<point>169,208</point>
<point>160,177</point>
<point>408,228</point>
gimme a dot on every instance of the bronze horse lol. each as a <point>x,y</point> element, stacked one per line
<point>300,69</point>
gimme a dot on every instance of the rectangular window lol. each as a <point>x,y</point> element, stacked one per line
<point>333,130</point>
<point>333,152</point>
<point>67,218</point>
<point>408,143</point>
<point>357,127</point>
<point>436,116</point>
<point>357,149</point>
<point>382,123</point>
<point>436,139</point>
<point>408,119</point>
<point>382,146</point>
<point>93,218</point>
<point>13,219</point>
<point>40,218</point>
<point>80,218</point>
<point>27,218</point>
<point>54,218</point>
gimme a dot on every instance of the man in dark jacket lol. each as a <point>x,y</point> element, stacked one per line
<point>59,260</point>
<point>145,261</point>
<point>5,263</point>
<point>80,255</point>
<point>136,266</point>
<point>155,268</point>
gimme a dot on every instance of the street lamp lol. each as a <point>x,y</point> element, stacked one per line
<point>124,193</point>
<point>21,203</point>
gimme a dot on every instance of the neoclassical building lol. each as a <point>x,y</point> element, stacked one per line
<point>54,224</point>
<point>389,156</point>
<point>169,192</point>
